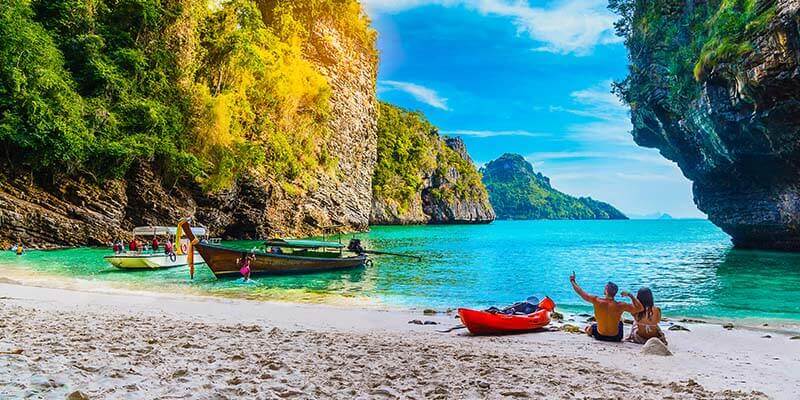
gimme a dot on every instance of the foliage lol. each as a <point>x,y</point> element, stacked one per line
<point>410,151</point>
<point>39,108</point>
<point>673,44</point>
<point>468,185</point>
<point>405,149</point>
<point>254,87</point>
<point>728,31</point>
<point>202,90</point>
<point>517,192</point>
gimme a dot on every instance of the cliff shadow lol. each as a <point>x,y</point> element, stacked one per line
<point>759,281</point>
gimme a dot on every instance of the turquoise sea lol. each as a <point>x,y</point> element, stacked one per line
<point>689,264</point>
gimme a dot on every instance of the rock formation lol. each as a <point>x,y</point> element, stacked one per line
<point>284,195</point>
<point>655,347</point>
<point>435,203</point>
<point>422,178</point>
<point>715,86</point>
<point>48,210</point>
<point>517,192</point>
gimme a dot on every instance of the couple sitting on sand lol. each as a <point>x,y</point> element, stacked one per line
<point>608,313</point>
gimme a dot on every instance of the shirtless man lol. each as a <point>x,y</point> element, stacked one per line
<point>608,311</point>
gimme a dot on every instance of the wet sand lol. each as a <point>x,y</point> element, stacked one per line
<point>54,342</point>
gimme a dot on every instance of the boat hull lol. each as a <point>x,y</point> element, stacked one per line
<point>486,323</point>
<point>149,261</point>
<point>222,262</point>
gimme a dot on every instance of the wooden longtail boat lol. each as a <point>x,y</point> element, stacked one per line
<point>283,257</point>
<point>156,259</point>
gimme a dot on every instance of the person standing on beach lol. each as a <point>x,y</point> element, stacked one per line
<point>245,263</point>
<point>607,311</point>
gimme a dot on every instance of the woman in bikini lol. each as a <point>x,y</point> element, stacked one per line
<point>645,325</point>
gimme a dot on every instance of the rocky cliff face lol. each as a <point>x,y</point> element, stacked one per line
<point>423,178</point>
<point>733,127</point>
<point>455,209</point>
<point>516,191</point>
<point>435,202</point>
<point>46,211</point>
<point>258,207</point>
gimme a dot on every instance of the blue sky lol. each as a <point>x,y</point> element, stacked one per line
<point>528,77</point>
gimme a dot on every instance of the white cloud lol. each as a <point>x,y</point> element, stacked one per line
<point>650,177</point>
<point>420,93</point>
<point>611,116</point>
<point>641,155</point>
<point>376,7</point>
<point>485,133</point>
<point>563,26</point>
<point>611,132</point>
<point>598,102</point>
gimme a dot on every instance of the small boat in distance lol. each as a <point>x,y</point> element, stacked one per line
<point>279,257</point>
<point>149,259</point>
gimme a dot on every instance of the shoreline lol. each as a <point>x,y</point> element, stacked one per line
<point>708,362</point>
<point>40,279</point>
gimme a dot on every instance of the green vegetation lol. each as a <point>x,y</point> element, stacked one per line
<point>517,192</point>
<point>202,90</point>
<point>728,31</point>
<point>674,44</point>
<point>410,151</point>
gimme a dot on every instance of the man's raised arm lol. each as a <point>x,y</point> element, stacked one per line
<point>585,296</point>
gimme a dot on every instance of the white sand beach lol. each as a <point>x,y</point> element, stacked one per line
<point>56,342</point>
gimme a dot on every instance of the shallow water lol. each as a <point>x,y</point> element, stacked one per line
<point>689,264</point>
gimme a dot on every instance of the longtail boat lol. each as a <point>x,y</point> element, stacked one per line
<point>154,259</point>
<point>278,256</point>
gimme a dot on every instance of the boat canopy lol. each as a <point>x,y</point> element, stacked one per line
<point>164,231</point>
<point>302,244</point>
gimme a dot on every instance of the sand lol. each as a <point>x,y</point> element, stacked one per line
<point>55,342</point>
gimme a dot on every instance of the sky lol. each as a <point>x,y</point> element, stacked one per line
<point>532,78</point>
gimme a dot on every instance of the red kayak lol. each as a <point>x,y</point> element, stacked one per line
<point>486,323</point>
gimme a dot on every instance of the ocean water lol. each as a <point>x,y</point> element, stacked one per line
<point>689,265</point>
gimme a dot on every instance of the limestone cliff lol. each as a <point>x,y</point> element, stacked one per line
<point>516,191</point>
<point>314,151</point>
<point>422,178</point>
<point>715,86</point>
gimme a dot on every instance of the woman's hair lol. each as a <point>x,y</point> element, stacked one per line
<point>645,296</point>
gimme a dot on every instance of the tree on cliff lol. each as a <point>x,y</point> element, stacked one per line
<point>418,174</point>
<point>201,92</point>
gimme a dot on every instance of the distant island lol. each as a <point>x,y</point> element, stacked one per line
<point>517,192</point>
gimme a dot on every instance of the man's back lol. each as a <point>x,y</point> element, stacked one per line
<point>608,314</point>
<point>607,311</point>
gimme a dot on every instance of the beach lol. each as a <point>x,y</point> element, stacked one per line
<point>123,344</point>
